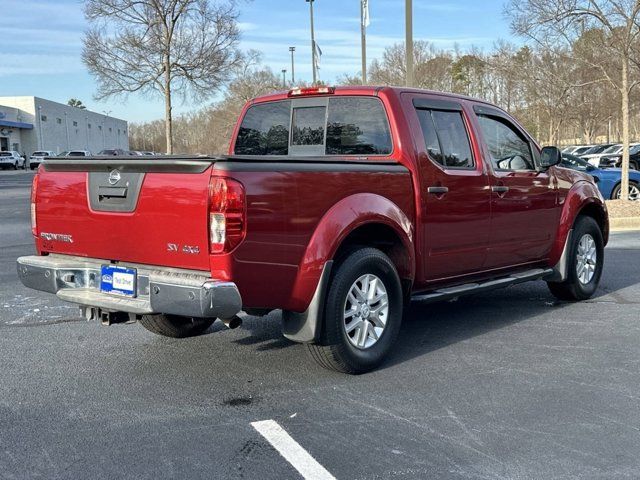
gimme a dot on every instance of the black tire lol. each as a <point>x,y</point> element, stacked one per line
<point>573,289</point>
<point>175,326</point>
<point>615,193</point>
<point>15,166</point>
<point>335,351</point>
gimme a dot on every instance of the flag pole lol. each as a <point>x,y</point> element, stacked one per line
<point>409,41</point>
<point>313,42</point>
<point>363,35</point>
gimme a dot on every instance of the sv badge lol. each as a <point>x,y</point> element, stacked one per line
<point>187,249</point>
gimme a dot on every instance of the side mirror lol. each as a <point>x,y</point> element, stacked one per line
<point>550,156</point>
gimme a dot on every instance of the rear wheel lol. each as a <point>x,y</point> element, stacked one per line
<point>15,166</point>
<point>634,192</point>
<point>362,315</point>
<point>175,326</point>
<point>585,262</point>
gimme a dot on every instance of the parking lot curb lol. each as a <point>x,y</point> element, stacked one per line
<point>624,223</point>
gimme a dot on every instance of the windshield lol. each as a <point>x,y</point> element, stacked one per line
<point>634,149</point>
<point>613,149</point>
<point>581,150</point>
<point>40,154</point>
<point>571,161</point>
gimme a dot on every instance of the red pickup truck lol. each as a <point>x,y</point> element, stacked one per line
<point>337,205</point>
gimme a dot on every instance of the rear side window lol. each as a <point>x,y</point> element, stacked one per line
<point>446,138</point>
<point>509,151</point>
<point>265,130</point>
<point>357,126</point>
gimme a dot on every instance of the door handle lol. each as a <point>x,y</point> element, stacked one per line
<point>500,189</point>
<point>437,190</point>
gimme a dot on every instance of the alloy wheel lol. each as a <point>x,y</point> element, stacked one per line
<point>587,258</point>
<point>366,310</point>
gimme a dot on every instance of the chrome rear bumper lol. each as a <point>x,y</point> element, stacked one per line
<point>174,291</point>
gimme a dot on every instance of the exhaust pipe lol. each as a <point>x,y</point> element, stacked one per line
<point>233,322</point>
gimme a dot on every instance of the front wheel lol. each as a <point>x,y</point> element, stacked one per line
<point>175,326</point>
<point>362,315</point>
<point>585,262</point>
<point>634,192</point>
<point>15,166</point>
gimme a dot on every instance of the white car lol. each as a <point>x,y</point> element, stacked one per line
<point>75,153</point>
<point>573,149</point>
<point>12,159</point>
<point>36,157</point>
<point>613,150</point>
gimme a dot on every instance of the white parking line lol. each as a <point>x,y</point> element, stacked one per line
<point>292,452</point>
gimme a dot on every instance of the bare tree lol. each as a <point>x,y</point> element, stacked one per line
<point>618,24</point>
<point>74,102</point>
<point>161,47</point>
<point>209,129</point>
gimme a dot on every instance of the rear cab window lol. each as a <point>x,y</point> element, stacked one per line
<point>316,126</point>
<point>445,133</point>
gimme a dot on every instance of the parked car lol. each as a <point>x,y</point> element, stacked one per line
<point>594,150</point>
<point>75,153</point>
<point>36,158</point>
<point>142,153</point>
<point>12,159</point>
<point>608,180</point>
<point>594,159</point>
<point>582,150</point>
<point>571,148</point>
<point>115,152</point>
<point>337,206</point>
<point>616,160</point>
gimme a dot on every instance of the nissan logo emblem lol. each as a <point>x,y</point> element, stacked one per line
<point>114,177</point>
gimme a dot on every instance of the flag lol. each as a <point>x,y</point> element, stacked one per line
<point>366,21</point>
<point>318,55</point>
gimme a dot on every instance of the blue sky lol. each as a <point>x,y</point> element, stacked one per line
<point>42,41</point>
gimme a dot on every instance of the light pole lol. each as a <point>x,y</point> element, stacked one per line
<point>293,76</point>
<point>40,123</point>
<point>284,78</point>
<point>363,38</point>
<point>86,128</point>
<point>409,41</point>
<point>66,126</point>
<point>313,42</point>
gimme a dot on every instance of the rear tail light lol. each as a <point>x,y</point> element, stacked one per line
<point>34,195</point>
<point>227,218</point>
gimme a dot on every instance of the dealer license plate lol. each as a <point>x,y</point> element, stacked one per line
<point>119,280</point>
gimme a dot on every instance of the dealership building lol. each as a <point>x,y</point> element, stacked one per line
<point>28,124</point>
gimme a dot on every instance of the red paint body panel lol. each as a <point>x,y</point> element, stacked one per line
<point>172,208</point>
<point>296,219</point>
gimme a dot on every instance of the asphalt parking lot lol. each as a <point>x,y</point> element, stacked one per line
<point>507,385</point>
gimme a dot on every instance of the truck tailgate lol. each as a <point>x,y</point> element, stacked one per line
<point>151,213</point>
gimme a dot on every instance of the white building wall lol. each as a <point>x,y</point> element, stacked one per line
<point>60,127</point>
